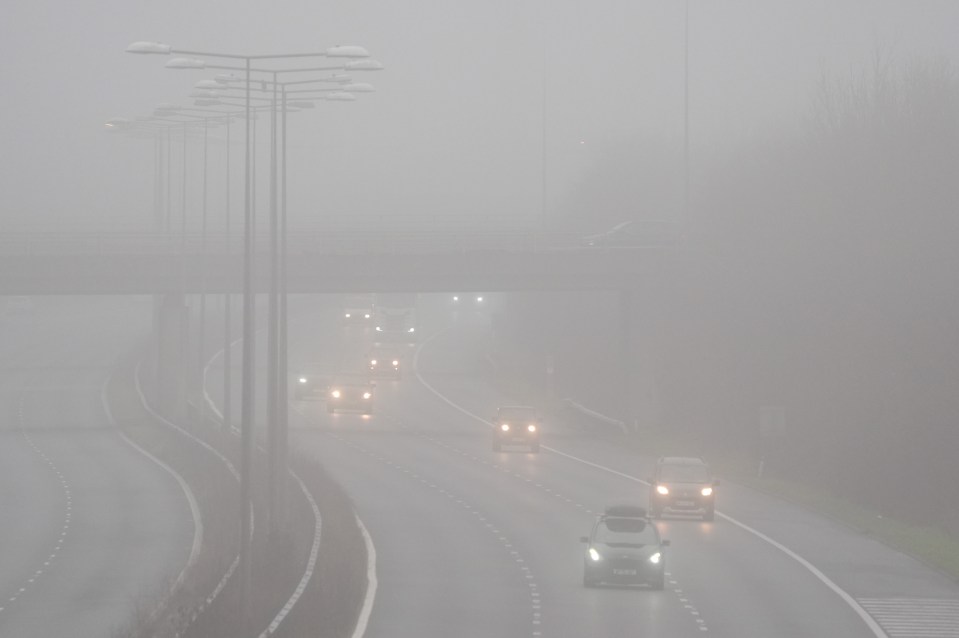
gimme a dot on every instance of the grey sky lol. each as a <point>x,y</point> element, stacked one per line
<point>456,123</point>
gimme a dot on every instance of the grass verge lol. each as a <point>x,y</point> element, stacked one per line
<point>933,546</point>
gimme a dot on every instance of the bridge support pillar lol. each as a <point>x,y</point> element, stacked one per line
<point>172,334</point>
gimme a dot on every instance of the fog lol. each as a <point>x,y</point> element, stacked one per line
<point>457,124</point>
<point>798,325</point>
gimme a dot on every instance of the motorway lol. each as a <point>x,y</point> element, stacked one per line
<point>475,543</point>
<point>92,530</point>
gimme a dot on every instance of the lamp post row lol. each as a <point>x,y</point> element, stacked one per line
<point>358,59</point>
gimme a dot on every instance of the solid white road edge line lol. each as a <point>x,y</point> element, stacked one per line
<point>371,582</point>
<point>191,499</point>
<point>843,594</point>
<point>317,524</point>
<point>236,561</point>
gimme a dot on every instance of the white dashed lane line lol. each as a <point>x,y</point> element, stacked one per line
<point>534,594</point>
<point>673,584</point>
<point>68,512</point>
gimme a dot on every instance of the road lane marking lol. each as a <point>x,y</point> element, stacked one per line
<point>911,617</point>
<point>64,486</point>
<point>864,615</point>
<point>533,587</point>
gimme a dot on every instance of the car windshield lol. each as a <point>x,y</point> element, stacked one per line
<point>517,414</point>
<point>683,474</point>
<point>625,532</point>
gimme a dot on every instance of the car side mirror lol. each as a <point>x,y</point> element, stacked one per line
<point>665,542</point>
<point>584,539</point>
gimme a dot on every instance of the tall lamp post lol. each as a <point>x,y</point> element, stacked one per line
<point>686,115</point>
<point>277,373</point>
<point>246,417</point>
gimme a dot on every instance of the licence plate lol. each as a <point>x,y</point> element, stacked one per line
<point>685,503</point>
<point>624,572</point>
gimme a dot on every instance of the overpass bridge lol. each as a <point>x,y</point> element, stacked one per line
<point>319,262</point>
<point>333,261</point>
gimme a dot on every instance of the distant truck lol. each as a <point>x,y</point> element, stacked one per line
<point>395,318</point>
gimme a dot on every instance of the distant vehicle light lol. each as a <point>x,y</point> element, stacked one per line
<point>531,427</point>
<point>379,329</point>
<point>302,379</point>
<point>479,299</point>
<point>655,558</point>
<point>367,395</point>
<point>347,315</point>
<point>395,363</point>
<point>504,427</point>
<point>594,554</point>
<point>412,330</point>
<point>335,394</point>
<point>366,316</point>
<point>662,489</point>
<point>456,298</point>
<point>707,491</point>
<point>373,362</point>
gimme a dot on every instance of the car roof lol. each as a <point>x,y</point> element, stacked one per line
<point>624,510</point>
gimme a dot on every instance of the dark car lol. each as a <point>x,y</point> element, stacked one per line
<point>350,394</point>
<point>358,309</point>
<point>384,362</point>
<point>682,485</point>
<point>516,425</point>
<point>624,548</point>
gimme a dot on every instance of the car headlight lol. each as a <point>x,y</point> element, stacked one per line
<point>707,491</point>
<point>456,298</point>
<point>412,330</point>
<point>594,554</point>
<point>396,363</point>
<point>479,299</point>
<point>366,316</point>
<point>504,427</point>
<point>335,394</point>
<point>655,558</point>
<point>662,489</point>
<point>379,329</point>
<point>531,427</point>
<point>367,395</point>
<point>347,315</point>
<point>372,362</point>
<point>302,379</point>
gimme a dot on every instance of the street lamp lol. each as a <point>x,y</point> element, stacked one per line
<point>686,115</point>
<point>208,117</point>
<point>354,54</point>
<point>277,372</point>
